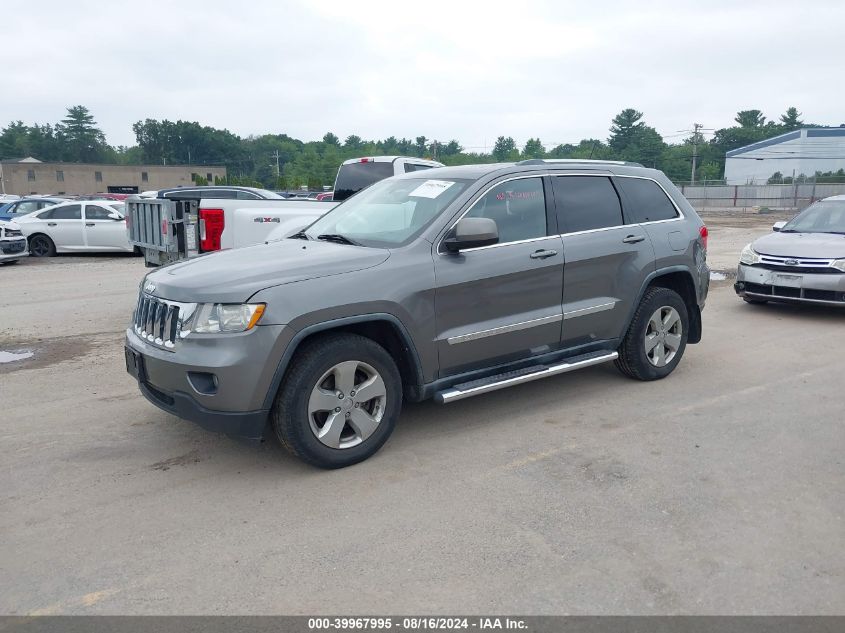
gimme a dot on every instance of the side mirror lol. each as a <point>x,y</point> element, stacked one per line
<point>115,216</point>
<point>472,233</point>
<point>777,226</point>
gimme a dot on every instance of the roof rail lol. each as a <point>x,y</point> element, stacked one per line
<point>547,161</point>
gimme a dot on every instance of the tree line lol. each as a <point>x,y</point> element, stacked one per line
<point>279,161</point>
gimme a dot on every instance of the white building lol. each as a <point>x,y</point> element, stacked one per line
<point>794,153</point>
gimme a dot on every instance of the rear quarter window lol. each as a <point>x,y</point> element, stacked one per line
<point>645,200</point>
<point>353,177</point>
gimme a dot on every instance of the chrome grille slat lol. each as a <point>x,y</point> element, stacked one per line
<point>157,321</point>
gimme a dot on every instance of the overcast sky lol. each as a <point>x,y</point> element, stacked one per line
<point>465,70</point>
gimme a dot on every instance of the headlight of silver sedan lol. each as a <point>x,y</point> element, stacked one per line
<point>212,318</point>
<point>749,256</point>
<point>838,264</point>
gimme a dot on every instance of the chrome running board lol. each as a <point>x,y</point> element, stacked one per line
<point>509,379</point>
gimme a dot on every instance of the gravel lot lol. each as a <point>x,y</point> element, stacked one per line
<point>718,490</point>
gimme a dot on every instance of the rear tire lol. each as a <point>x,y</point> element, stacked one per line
<point>657,336</point>
<point>318,415</point>
<point>41,246</point>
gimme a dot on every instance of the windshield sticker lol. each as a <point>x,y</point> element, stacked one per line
<point>431,189</point>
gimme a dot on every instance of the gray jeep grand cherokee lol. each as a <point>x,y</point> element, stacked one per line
<point>443,285</point>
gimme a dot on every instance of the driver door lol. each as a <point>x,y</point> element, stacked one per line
<point>500,303</point>
<point>102,232</point>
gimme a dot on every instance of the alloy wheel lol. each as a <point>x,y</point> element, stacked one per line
<point>39,247</point>
<point>347,404</point>
<point>663,336</point>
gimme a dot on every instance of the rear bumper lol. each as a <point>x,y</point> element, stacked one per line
<point>819,289</point>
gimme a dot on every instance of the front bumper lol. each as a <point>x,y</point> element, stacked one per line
<point>13,248</point>
<point>760,283</point>
<point>220,382</point>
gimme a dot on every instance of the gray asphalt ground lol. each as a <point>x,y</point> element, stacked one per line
<point>720,490</point>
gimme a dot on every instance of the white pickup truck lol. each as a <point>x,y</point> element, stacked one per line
<point>175,224</point>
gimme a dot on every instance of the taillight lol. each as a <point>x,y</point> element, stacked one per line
<point>366,160</point>
<point>212,222</point>
<point>703,233</point>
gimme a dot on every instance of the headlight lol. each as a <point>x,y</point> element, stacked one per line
<point>749,256</point>
<point>225,317</point>
<point>838,264</point>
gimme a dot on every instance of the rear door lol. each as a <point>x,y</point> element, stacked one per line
<point>64,226</point>
<point>606,261</point>
<point>500,303</point>
<point>102,232</point>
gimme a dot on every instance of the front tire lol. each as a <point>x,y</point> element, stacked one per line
<point>339,401</point>
<point>41,246</point>
<point>657,336</point>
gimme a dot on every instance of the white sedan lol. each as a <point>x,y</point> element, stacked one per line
<point>72,227</point>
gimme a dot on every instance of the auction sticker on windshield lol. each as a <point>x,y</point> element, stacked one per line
<point>431,189</point>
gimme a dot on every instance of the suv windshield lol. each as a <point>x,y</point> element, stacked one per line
<point>825,216</point>
<point>353,177</point>
<point>389,213</point>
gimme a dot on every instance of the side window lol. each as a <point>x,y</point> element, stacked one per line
<point>414,167</point>
<point>70,212</point>
<point>518,208</point>
<point>247,195</point>
<point>26,207</point>
<point>586,202</point>
<point>45,215</point>
<point>94,212</point>
<point>645,201</point>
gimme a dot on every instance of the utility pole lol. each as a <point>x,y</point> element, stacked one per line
<point>434,150</point>
<point>696,138</point>
<point>276,156</point>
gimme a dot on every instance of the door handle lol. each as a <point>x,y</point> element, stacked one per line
<point>51,224</point>
<point>541,254</point>
<point>633,239</point>
<point>90,224</point>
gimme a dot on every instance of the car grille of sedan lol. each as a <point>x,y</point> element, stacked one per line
<point>157,321</point>
<point>12,248</point>
<point>798,265</point>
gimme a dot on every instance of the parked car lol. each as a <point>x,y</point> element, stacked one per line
<point>186,222</point>
<point>77,226</point>
<point>12,243</point>
<point>441,285</point>
<point>802,261</point>
<point>325,196</point>
<point>24,206</point>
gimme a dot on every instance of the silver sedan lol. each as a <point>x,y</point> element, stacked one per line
<point>803,260</point>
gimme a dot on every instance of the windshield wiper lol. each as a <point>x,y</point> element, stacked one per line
<point>789,231</point>
<point>302,235</point>
<point>336,237</point>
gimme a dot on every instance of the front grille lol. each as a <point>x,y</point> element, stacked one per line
<point>800,270</point>
<point>157,321</point>
<point>11,248</point>
<point>814,265</point>
<point>795,293</point>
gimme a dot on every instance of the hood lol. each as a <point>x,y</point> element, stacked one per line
<point>822,245</point>
<point>235,275</point>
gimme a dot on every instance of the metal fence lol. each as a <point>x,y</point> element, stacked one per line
<point>786,197</point>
